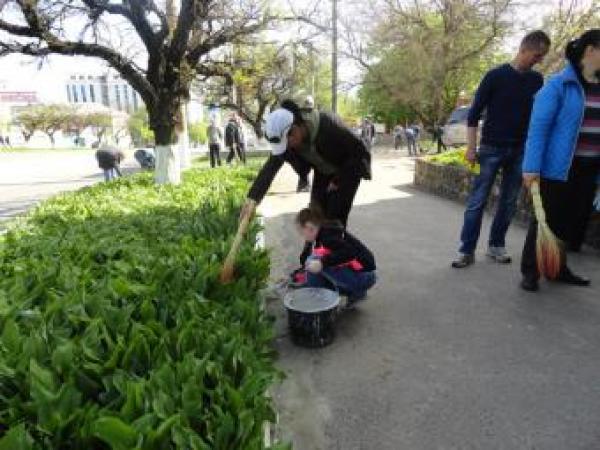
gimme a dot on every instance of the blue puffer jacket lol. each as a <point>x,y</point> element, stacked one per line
<point>554,127</point>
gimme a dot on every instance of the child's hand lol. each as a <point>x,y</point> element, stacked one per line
<point>314,266</point>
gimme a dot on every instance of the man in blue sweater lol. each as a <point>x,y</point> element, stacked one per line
<point>506,95</point>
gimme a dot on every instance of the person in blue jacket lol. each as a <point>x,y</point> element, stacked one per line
<point>562,152</point>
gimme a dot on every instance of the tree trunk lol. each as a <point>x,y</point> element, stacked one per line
<point>184,140</point>
<point>168,166</point>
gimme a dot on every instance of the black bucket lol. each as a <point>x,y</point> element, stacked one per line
<point>311,316</point>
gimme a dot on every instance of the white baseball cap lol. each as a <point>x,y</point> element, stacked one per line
<point>277,128</point>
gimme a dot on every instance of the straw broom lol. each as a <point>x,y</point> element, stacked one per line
<point>549,249</point>
<point>227,271</point>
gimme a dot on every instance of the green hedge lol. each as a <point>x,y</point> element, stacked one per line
<point>114,330</point>
<point>453,158</point>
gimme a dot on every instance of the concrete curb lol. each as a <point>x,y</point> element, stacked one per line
<point>267,426</point>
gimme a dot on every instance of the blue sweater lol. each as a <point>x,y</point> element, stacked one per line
<point>507,97</point>
<point>557,115</point>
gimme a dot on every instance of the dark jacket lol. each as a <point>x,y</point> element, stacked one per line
<point>339,248</point>
<point>232,133</point>
<point>109,157</point>
<point>334,142</point>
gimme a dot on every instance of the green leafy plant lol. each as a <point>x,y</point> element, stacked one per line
<point>454,158</point>
<point>114,331</point>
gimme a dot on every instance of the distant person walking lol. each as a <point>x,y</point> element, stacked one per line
<point>241,140</point>
<point>563,154</point>
<point>232,140</point>
<point>398,136</point>
<point>506,93</point>
<point>214,143</point>
<point>411,141</point>
<point>2,140</point>
<point>417,129</point>
<point>367,133</point>
<point>109,160</point>
<point>438,134</point>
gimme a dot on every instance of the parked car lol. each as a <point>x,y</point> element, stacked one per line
<point>145,157</point>
<point>455,130</point>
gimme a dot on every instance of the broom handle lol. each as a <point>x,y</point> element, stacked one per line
<point>239,236</point>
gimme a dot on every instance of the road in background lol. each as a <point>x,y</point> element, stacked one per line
<point>28,177</point>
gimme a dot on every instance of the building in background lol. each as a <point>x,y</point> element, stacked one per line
<point>108,89</point>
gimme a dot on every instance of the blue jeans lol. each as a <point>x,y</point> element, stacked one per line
<point>348,281</point>
<point>492,160</point>
<point>111,174</point>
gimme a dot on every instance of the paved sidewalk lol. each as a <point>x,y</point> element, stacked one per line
<point>438,358</point>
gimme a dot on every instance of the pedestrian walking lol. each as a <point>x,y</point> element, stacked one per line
<point>398,136</point>
<point>506,93</point>
<point>338,157</point>
<point>563,154</point>
<point>367,133</point>
<point>214,143</point>
<point>411,141</point>
<point>241,141</point>
<point>1,140</point>
<point>109,159</point>
<point>417,132</point>
<point>232,139</point>
<point>438,134</point>
<point>7,141</point>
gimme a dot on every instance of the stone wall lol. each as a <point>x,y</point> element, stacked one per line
<point>454,182</point>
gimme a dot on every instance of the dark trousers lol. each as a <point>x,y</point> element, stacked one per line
<point>584,175</point>
<point>300,166</point>
<point>215,154</point>
<point>568,206</point>
<point>335,203</point>
<point>440,145</point>
<point>241,153</point>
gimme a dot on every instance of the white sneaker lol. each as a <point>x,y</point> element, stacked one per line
<point>499,255</point>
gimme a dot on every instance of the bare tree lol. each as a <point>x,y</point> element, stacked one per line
<point>170,55</point>
<point>419,49</point>
<point>264,74</point>
<point>568,19</point>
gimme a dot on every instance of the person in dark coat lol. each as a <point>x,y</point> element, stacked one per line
<point>234,140</point>
<point>320,140</point>
<point>109,159</point>
<point>332,257</point>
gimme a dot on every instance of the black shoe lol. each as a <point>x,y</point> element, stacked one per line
<point>530,284</point>
<point>568,277</point>
<point>463,261</point>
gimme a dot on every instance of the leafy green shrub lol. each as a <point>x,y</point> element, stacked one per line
<point>114,331</point>
<point>453,158</point>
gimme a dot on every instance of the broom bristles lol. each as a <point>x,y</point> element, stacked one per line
<point>549,252</point>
